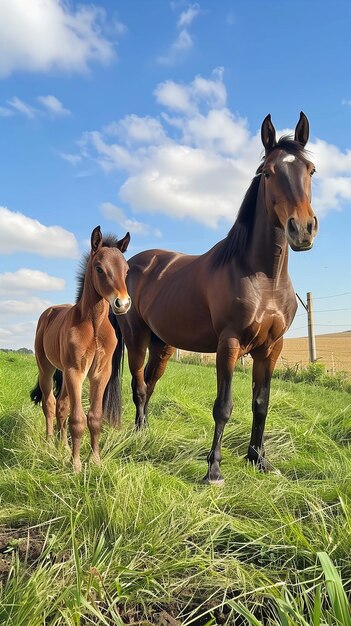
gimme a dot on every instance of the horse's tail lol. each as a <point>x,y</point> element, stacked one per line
<point>36,395</point>
<point>112,401</point>
<point>58,380</point>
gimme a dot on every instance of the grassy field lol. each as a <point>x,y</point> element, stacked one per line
<point>139,540</point>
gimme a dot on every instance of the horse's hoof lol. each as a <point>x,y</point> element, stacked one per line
<point>262,465</point>
<point>218,480</point>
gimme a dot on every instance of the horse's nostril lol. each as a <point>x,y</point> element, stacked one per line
<point>310,228</point>
<point>292,226</point>
<point>118,303</point>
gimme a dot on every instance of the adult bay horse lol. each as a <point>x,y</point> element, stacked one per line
<point>235,299</point>
<point>79,340</point>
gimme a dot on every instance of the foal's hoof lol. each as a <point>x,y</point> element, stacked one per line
<point>77,467</point>
<point>95,459</point>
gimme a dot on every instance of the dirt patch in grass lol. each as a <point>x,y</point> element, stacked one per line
<point>26,543</point>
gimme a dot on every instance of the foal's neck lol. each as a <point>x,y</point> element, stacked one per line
<point>92,305</point>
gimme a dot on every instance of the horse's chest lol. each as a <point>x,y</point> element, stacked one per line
<point>266,328</point>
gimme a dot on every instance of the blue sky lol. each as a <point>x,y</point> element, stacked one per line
<point>144,115</point>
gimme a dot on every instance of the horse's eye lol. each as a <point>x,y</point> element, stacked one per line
<point>313,171</point>
<point>266,174</point>
<point>99,270</point>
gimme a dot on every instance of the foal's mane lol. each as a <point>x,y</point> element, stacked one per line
<point>239,237</point>
<point>108,241</point>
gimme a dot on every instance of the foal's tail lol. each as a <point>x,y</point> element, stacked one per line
<point>36,394</point>
<point>112,401</point>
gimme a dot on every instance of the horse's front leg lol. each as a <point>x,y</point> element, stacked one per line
<point>228,352</point>
<point>77,420</point>
<point>262,371</point>
<point>98,380</point>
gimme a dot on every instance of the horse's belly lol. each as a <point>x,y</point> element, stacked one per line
<point>195,334</point>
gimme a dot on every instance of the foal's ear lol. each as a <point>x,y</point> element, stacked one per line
<point>96,239</point>
<point>302,130</point>
<point>123,244</point>
<point>268,133</point>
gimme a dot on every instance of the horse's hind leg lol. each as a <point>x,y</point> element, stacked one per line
<point>159,355</point>
<point>46,371</point>
<point>62,411</point>
<point>262,371</point>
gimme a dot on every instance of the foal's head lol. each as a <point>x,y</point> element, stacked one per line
<point>109,270</point>
<point>287,173</point>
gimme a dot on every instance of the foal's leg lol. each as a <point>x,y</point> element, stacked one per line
<point>46,371</point>
<point>262,371</point>
<point>98,381</point>
<point>159,355</point>
<point>77,421</point>
<point>227,355</point>
<point>62,411</point>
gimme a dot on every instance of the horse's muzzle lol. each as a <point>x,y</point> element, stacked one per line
<point>300,235</point>
<point>120,307</point>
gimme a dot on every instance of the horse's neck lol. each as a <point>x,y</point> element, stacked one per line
<point>92,306</point>
<point>268,248</point>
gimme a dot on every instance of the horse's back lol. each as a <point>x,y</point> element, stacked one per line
<point>49,328</point>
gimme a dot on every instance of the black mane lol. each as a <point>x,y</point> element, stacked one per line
<point>108,241</point>
<point>238,239</point>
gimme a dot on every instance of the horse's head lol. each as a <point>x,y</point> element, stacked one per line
<point>287,173</point>
<point>109,270</point>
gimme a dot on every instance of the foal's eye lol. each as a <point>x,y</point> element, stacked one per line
<point>99,270</point>
<point>265,174</point>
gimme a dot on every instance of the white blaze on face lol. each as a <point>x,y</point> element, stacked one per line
<point>289,158</point>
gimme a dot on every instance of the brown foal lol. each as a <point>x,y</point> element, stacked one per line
<point>79,340</point>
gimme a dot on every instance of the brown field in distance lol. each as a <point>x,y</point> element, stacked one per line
<point>333,350</point>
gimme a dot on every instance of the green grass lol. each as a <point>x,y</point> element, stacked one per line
<point>139,539</point>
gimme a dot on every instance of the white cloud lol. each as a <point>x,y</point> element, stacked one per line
<point>53,105</point>
<point>202,158</point>
<point>22,107</point>
<point>15,336</point>
<point>41,35</point>
<point>73,159</point>
<point>174,96</point>
<point>114,213</point>
<point>186,17</point>
<point>6,112</point>
<point>209,93</point>
<point>178,49</point>
<point>24,234</point>
<point>135,129</point>
<point>29,306</point>
<point>27,280</point>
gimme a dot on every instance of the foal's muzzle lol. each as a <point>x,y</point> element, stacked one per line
<point>300,235</point>
<point>120,307</point>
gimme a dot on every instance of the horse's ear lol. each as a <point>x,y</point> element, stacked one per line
<point>302,130</point>
<point>96,239</point>
<point>123,244</point>
<point>268,134</point>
